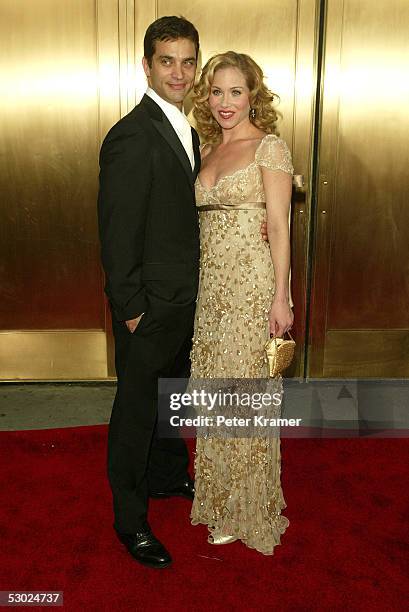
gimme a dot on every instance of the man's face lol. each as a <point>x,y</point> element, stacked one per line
<point>173,69</point>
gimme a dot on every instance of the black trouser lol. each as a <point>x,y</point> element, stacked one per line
<point>140,462</point>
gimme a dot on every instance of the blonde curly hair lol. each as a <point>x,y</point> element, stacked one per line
<point>260,97</point>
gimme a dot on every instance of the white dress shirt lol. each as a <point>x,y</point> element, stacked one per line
<point>178,121</point>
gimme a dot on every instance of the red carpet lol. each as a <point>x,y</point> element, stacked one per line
<point>346,547</point>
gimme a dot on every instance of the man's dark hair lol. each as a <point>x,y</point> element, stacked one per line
<point>168,28</point>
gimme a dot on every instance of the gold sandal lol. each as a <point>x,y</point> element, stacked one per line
<point>221,539</point>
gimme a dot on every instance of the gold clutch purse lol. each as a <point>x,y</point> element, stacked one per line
<point>280,354</point>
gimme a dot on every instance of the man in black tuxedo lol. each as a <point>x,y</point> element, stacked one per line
<point>150,253</point>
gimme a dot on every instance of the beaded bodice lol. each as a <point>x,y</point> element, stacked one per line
<point>245,186</point>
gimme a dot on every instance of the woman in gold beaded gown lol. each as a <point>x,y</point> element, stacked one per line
<point>244,293</point>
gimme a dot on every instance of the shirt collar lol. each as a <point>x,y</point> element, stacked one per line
<point>178,119</point>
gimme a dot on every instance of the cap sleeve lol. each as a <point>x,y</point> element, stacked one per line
<point>274,154</point>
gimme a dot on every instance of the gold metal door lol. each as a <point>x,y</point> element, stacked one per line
<point>65,81</point>
<point>360,293</point>
<point>51,309</point>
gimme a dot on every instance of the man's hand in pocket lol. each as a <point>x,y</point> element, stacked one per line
<point>132,324</point>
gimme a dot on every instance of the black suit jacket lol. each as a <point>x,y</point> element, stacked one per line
<point>148,222</point>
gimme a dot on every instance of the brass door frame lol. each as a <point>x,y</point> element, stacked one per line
<point>305,108</point>
<point>120,70</point>
<point>325,159</point>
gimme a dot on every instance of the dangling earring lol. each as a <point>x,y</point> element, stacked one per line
<point>252,113</point>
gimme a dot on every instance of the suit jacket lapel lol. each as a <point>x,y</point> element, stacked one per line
<point>196,151</point>
<point>164,127</point>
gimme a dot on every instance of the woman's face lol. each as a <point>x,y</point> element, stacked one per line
<point>229,97</point>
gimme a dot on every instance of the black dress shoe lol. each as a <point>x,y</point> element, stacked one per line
<point>186,489</point>
<point>145,548</point>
